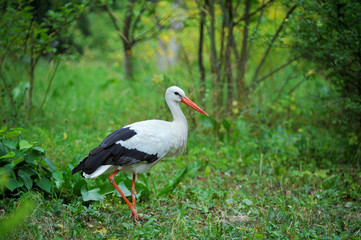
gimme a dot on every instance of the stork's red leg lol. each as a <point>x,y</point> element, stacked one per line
<point>111,180</point>
<point>134,193</point>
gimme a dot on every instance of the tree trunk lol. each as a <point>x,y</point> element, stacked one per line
<point>244,52</point>
<point>128,60</point>
<point>228,15</point>
<point>200,52</point>
<point>217,89</point>
<point>31,87</point>
<point>127,42</point>
<point>31,79</point>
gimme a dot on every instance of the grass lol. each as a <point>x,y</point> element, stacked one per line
<point>224,202</point>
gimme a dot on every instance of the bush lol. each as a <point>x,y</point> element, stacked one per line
<point>24,165</point>
<point>329,32</point>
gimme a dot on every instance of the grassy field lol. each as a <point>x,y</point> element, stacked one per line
<point>269,174</point>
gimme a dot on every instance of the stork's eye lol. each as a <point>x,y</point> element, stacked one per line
<point>176,93</point>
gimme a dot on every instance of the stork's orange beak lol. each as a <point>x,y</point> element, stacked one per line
<point>190,103</point>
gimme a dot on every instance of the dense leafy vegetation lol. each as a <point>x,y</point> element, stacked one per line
<point>271,163</point>
<point>25,164</point>
<point>329,33</point>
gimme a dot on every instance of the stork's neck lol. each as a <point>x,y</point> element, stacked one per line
<point>178,116</point>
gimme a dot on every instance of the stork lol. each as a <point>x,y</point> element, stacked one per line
<point>137,147</point>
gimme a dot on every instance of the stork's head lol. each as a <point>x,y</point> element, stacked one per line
<point>176,94</point>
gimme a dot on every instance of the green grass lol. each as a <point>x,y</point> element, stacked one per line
<point>222,200</point>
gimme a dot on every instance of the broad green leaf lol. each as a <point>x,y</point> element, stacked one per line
<point>34,156</point>
<point>124,189</point>
<point>8,155</point>
<point>44,183</point>
<point>3,129</point>
<point>17,129</point>
<point>12,184</point>
<point>26,176</point>
<point>143,190</point>
<point>3,150</point>
<point>12,134</point>
<point>50,164</point>
<point>4,177</point>
<point>17,161</point>
<point>23,144</point>
<point>92,195</point>
<point>59,180</point>
<point>78,186</point>
<point>28,171</point>
<point>106,188</point>
<point>39,149</point>
<point>11,144</point>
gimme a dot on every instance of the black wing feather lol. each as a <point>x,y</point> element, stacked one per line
<point>121,134</point>
<point>111,153</point>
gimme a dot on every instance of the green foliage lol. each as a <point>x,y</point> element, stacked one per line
<point>26,35</point>
<point>25,165</point>
<point>328,33</point>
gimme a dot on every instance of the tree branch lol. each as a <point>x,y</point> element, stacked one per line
<point>152,32</point>
<point>253,13</point>
<point>258,81</point>
<point>275,36</point>
<point>138,17</point>
<point>115,19</point>
<point>50,83</point>
<point>8,90</point>
<point>256,30</point>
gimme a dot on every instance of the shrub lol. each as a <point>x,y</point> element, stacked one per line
<point>328,33</point>
<point>24,166</point>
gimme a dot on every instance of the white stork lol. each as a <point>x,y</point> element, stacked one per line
<point>137,147</point>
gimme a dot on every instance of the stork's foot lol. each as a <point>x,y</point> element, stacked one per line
<point>134,215</point>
